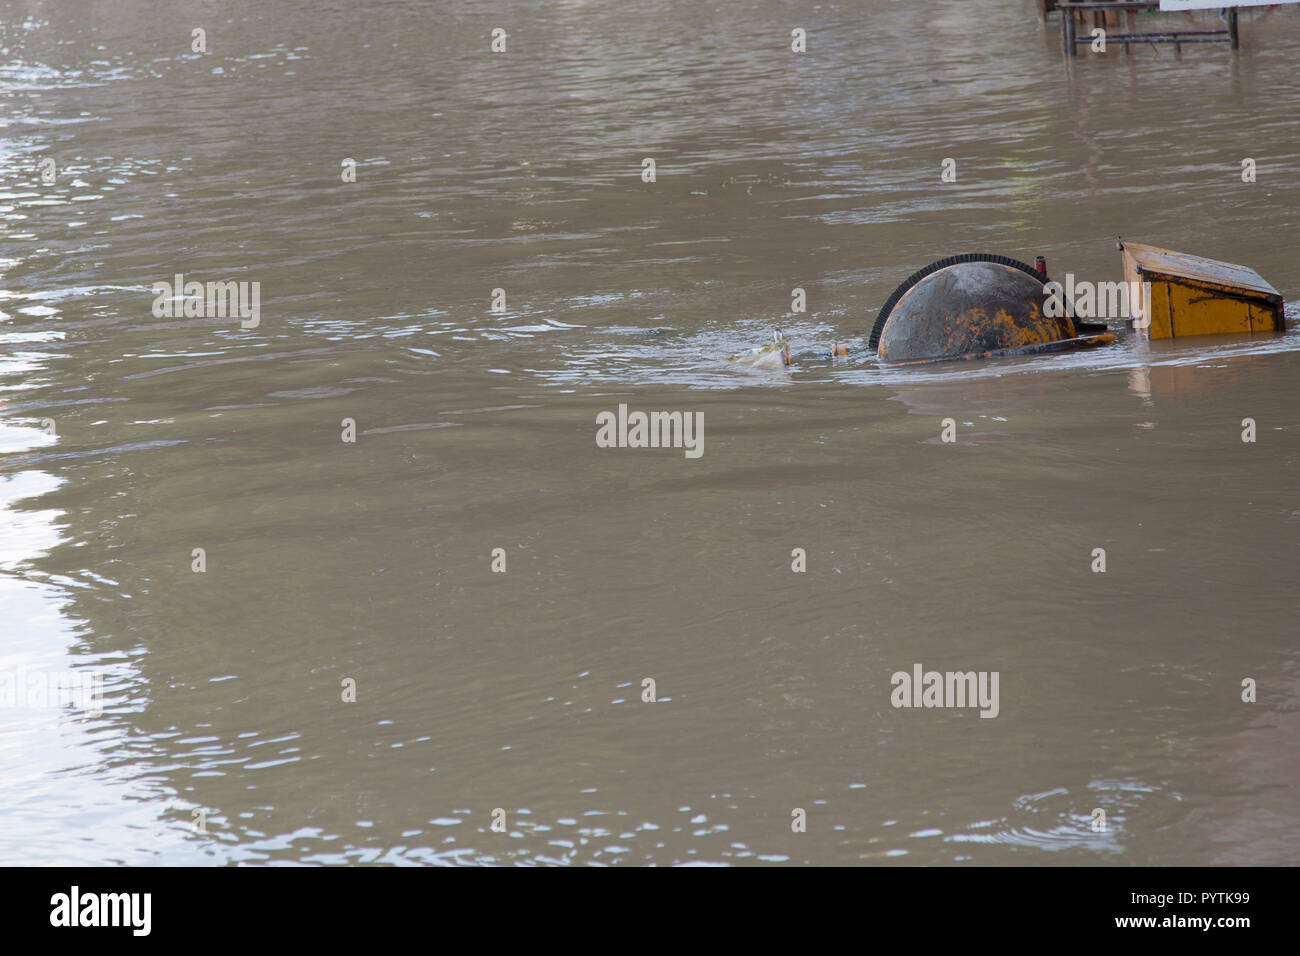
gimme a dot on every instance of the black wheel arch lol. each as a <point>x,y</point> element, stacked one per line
<point>883,315</point>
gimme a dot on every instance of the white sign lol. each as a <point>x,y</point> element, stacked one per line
<point>1216,4</point>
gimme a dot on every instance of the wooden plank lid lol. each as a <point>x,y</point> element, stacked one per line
<point>1180,265</point>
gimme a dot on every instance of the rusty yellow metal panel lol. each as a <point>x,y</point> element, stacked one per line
<point>1195,310</point>
<point>1266,319</point>
<point>1191,295</point>
<point>1162,325</point>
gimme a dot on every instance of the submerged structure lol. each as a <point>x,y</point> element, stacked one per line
<point>986,306</point>
<point>1191,295</point>
<point>975,306</point>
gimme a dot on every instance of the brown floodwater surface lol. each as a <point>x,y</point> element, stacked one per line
<point>128,441</point>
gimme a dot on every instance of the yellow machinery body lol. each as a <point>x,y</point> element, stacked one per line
<point>1195,296</point>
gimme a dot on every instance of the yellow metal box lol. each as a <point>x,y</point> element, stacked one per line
<point>1195,296</point>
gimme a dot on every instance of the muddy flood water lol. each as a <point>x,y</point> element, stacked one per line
<point>302,648</point>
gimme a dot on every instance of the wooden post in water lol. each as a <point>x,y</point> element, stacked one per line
<point>1232,26</point>
<point>1067,31</point>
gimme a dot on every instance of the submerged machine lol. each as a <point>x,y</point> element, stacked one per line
<point>1189,295</point>
<point>975,306</point>
<point>985,306</point>
<point>979,306</point>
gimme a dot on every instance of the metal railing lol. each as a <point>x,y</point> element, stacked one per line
<point>1073,10</point>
